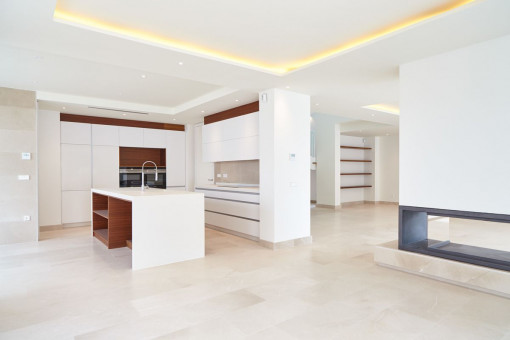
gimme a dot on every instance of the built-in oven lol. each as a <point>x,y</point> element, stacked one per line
<point>132,177</point>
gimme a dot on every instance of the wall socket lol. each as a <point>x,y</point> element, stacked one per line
<point>26,218</point>
<point>225,175</point>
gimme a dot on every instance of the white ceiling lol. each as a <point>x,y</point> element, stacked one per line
<point>274,33</point>
<point>72,65</point>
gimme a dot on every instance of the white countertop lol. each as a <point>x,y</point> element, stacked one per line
<point>230,189</point>
<point>135,193</point>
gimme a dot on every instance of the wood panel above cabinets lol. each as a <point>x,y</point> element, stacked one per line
<point>231,113</point>
<point>66,117</point>
<point>135,157</point>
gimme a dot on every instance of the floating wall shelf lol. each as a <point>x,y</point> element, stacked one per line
<point>356,186</point>
<point>356,174</point>
<point>354,147</point>
<point>355,160</point>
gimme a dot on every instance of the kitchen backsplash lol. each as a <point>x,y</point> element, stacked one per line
<point>245,172</point>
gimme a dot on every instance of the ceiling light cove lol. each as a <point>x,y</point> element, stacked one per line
<point>383,108</point>
<point>106,25</point>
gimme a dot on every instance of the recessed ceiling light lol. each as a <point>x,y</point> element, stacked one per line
<point>143,76</point>
<point>202,111</point>
<point>63,107</point>
<point>287,87</point>
<point>316,104</point>
<point>181,63</point>
<point>174,119</point>
<point>124,114</point>
<point>373,114</point>
<point>237,100</point>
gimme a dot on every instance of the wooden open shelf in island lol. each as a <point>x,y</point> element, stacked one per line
<point>356,173</point>
<point>354,147</point>
<point>111,220</point>
<point>129,244</point>
<point>101,235</point>
<point>356,186</point>
<point>356,160</point>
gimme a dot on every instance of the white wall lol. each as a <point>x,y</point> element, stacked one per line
<point>284,183</point>
<point>386,168</point>
<point>327,145</point>
<point>48,145</point>
<point>454,129</point>
<point>18,198</point>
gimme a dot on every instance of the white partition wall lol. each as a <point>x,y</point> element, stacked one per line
<point>284,166</point>
<point>454,129</point>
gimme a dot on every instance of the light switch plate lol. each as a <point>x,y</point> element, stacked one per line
<point>218,175</point>
<point>225,175</point>
<point>23,177</point>
<point>26,218</point>
<point>26,155</point>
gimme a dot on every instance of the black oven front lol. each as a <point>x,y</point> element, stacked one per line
<point>132,177</point>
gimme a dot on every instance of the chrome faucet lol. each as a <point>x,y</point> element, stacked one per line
<point>143,177</point>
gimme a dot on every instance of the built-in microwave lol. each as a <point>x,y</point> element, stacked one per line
<point>132,177</point>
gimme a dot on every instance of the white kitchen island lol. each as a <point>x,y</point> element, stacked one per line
<point>161,226</point>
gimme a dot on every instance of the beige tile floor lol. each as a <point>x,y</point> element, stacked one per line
<point>69,286</point>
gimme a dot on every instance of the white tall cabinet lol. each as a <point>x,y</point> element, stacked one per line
<point>105,156</point>
<point>75,161</point>
<point>175,144</point>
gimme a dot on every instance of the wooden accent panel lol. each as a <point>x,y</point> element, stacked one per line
<point>231,113</point>
<point>136,156</point>
<point>66,117</point>
<point>119,222</point>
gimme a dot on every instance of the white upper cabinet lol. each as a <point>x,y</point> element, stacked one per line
<point>105,135</point>
<point>154,138</point>
<point>76,167</point>
<point>130,136</point>
<point>232,139</point>
<point>75,133</point>
<point>175,158</point>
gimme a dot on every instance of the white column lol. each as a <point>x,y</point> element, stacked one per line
<point>284,166</point>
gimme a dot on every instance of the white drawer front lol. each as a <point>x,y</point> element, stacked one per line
<point>239,225</point>
<point>238,196</point>
<point>247,210</point>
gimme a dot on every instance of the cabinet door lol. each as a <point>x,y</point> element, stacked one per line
<point>154,138</point>
<point>75,166</point>
<point>175,158</point>
<point>105,135</point>
<point>75,133</point>
<point>204,172</point>
<point>105,166</point>
<point>76,206</point>
<point>130,136</point>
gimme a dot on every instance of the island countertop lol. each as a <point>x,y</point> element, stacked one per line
<point>132,193</point>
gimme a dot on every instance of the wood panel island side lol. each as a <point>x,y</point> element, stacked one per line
<point>160,226</point>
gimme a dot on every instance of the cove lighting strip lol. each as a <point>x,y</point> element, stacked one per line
<point>383,108</point>
<point>160,41</point>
